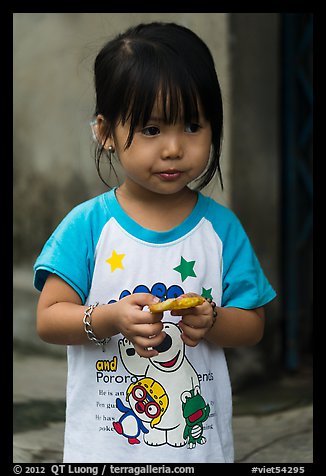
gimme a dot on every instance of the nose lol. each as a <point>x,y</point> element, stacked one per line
<point>173,148</point>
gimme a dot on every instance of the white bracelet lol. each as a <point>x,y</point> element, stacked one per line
<point>87,320</point>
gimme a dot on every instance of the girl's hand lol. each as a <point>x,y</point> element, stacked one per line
<point>142,328</point>
<point>195,322</point>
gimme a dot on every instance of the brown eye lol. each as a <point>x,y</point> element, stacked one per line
<point>151,131</point>
<point>192,127</point>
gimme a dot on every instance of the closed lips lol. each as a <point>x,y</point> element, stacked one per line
<point>173,171</point>
<point>169,174</point>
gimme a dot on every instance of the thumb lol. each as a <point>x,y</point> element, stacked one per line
<point>145,299</point>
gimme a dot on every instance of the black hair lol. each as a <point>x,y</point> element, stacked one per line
<point>154,60</point>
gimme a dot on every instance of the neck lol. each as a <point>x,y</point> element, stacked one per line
<point>131,191</point>
<point>156,211</point>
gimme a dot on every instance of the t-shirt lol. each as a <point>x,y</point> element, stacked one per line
<point>175,407</point>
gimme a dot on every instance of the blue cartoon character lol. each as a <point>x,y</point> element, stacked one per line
<point>129,425</point>
<point>195,412</point>
<point>148,402</point>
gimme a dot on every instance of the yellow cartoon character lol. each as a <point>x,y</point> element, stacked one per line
<point>148,400</point>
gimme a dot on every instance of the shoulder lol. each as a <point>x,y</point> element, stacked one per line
<point>92,213</point>
<point>69,251</point>
<point>90,208</point>
<point>223,219</point>
<point>216,209</point>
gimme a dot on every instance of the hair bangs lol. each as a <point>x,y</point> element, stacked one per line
<point>169,92</point>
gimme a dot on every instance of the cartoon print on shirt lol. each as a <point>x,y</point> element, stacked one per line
<point>148,401</point>
<point>158,289</point>
<point>170,360</point>
<point>165,423</point>
<point>129,425</point>
<point>195,412</point>
<point>186,269</point>
<point>207,293</point>
<point>115,261</point>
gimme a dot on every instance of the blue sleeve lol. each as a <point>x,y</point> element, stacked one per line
<point>244,284</point>
<point>69,252</point>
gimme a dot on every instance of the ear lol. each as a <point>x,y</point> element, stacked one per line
<point>196,390</point>
<point>186,394</point>
<point>100,130</point>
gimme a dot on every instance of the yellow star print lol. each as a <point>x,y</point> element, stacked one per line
<point>115,261</point>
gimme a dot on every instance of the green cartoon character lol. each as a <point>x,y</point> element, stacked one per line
<point>195,412</point>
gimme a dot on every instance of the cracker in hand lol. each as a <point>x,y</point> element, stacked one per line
<point>178,303</point>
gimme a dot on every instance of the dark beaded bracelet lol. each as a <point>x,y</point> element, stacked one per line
<point>213,304</point>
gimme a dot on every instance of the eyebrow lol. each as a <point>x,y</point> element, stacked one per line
<point>156,119</point>
<point>162,119</point>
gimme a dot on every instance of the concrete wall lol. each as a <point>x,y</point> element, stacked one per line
<point>256,154</point>
<point>255,130</point>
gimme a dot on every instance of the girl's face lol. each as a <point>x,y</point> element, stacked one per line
<point>163,158</point>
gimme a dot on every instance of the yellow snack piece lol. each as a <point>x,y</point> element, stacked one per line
<point>178,303</point>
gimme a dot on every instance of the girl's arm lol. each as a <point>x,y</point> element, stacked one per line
<point>234,327</point>
<point>60,315</point>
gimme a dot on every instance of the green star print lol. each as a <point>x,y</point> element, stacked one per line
<point>207,293</point>
<point>186,269</point>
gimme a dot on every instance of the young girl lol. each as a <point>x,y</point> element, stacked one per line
<point>143,386</point>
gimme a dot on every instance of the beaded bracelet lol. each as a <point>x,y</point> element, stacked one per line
<point>213,304</point>
<point>87,320</point>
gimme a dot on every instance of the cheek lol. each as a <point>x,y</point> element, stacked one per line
<point>202,156</point>
<point>202,147</point>
<point>137,159</point>
<point>126,158</point>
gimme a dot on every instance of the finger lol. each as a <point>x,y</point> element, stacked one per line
<point>184,312</point>
<point>141,317</point>
<point>191,332</point>
<point>146,346</point>
<point>150,341</point>
<point>188,341</point>
<point>143,352</point>
<point>145,330</point>
<point>143,299</point>
<point>190,295</point>
<point>192,321</point>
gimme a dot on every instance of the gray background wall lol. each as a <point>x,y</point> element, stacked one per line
<point>53,162</point>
